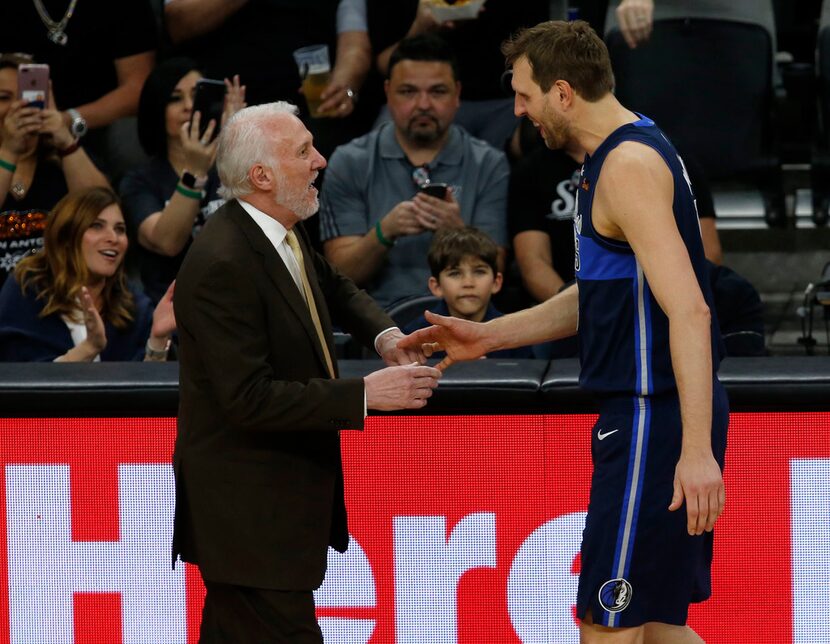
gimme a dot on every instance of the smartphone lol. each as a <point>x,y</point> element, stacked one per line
<point>33,84</point>
<point>435,190</point>
<point>209,101</point>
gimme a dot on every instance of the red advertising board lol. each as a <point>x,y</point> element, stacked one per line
<point>464,528</point>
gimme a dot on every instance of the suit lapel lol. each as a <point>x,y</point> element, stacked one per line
<point>276,270</point>
<point>319,296</point>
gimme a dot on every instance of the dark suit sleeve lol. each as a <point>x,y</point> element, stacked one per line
<point>257,370</point>
<point>350,306</point>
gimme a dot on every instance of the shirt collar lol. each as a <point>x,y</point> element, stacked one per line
<point>273,230</point>
<point>451,154</point>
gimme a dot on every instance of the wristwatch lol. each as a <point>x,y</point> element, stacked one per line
<point>78,125</point>
<point>190,180</point>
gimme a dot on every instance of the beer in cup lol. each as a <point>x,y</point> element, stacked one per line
<point>315,71</point>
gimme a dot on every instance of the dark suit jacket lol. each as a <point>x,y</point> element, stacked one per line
<point>259,482</point>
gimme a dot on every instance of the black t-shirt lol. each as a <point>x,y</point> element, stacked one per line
<point>146,190</point>
<point>477,43</point>
<point>22,221</point>
<point>99,32</point>
<point>257,43</point>
<point>542,197</point>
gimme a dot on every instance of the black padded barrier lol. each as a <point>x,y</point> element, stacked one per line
<point>480,387</point>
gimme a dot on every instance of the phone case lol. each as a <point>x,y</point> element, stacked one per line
<point>33,84</point>
<point>209,101</point>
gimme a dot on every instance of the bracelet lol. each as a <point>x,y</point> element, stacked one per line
<point>69,149</point>
<point>8,165</point>
<point>187,192</point>
<point>381,238</point>
<point>156,354</point>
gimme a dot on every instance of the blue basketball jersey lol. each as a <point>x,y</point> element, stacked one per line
<point>623,332</point>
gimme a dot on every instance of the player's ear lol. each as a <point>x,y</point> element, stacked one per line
<point>563,93</point>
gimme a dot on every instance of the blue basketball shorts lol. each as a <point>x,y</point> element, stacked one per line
<point>639,563</point>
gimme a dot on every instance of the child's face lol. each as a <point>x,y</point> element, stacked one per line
<point>467,288</point>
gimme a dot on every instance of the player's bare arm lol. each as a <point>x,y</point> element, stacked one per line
<point>633,202</point>
<point>464,340</point>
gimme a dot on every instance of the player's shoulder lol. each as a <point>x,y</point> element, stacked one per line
<point>634,161</point>
<point>635,153</point>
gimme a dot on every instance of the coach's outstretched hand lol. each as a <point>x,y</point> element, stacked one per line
<point>461,339</point>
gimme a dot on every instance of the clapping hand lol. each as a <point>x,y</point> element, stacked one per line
<point>164,319</point>
<point>96,334</point>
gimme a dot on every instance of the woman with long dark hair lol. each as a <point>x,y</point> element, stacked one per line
<point>168,199</point>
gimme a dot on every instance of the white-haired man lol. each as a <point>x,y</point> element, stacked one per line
<point>259,481</point>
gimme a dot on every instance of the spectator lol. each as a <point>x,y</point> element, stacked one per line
<point>465,275</point>
<point>99,56</point>
<point>71,302</point>
<point>375,224</point>
<point>487,110</point>
<point>635,18</point>
<point>227,36</point>
<point>168,200</point>
<point>40,160</point>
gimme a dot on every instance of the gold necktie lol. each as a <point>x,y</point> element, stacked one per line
<point>294,245</point>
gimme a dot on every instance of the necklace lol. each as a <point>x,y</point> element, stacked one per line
<point>57,30</point>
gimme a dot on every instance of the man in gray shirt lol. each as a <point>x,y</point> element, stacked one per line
<point>376,220</point>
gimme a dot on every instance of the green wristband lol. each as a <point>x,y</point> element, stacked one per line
<point>187,192</point>
<point>381,238</point>
<point>6,165</point>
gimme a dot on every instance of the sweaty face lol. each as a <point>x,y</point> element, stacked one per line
<point>538,107</point>
<point>467,288</point>
<point>423,97</point>
<point>298,167</point>
<point>104,243</point>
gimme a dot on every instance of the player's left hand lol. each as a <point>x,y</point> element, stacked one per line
<point>393,355</point>
<point>698,480</point>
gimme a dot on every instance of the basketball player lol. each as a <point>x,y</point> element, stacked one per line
<point>649,344</point>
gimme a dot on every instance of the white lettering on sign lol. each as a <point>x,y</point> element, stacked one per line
<point>349,583</point>
<point>46,567</point>
<point>541,587</point>
<point>810,538</point>
<point>428,566</point>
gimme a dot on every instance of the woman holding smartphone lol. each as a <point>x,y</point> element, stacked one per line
<point>40,161</point>
<point>71,302</point>
<point>168,200</point>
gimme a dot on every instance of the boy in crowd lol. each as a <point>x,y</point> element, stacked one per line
<point>463,263</point>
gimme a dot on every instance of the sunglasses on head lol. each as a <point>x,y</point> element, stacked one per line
<point>420,176</point>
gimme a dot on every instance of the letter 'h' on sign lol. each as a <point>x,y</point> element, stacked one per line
<point>42,556</point>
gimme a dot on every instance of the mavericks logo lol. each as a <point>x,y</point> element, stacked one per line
<point>615,595</point>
